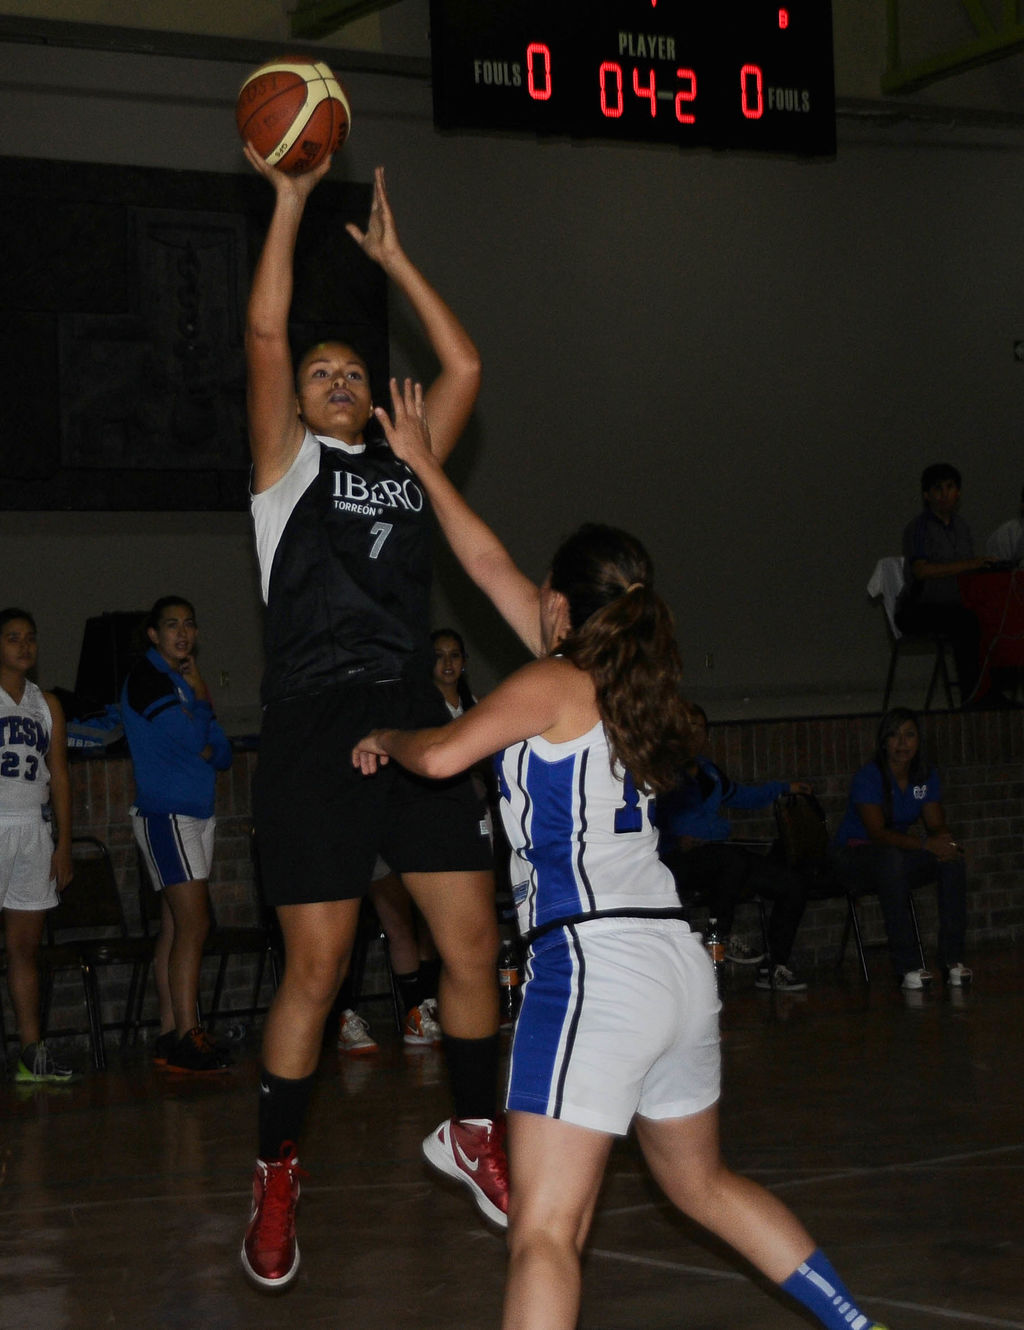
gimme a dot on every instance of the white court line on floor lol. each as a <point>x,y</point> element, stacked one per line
<point>709,1272</point>
<point>907,1166</point>
<point>811,1178</point>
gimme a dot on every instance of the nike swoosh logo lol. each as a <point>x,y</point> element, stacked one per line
<point>264,1088</point>
<point>471,1164</point>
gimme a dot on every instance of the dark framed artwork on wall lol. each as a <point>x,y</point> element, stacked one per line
<point>122,294</point>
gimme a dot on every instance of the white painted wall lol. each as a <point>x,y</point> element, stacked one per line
<point>747,361</point>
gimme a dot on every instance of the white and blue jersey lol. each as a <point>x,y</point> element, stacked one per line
<point>583,838</point>
<point>620,1008</point>
<point>24,742</point>
<point>26,845</point>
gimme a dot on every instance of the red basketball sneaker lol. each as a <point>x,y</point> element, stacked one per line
<point>472,1151</point>
<point>270,1253</point>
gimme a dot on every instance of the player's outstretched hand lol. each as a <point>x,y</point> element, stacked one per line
<point>380,239</point>
<point>408,433</point>
<point>368,754</point>
<point>301,186</point>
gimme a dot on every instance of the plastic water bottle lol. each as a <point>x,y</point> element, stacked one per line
<point>715,948</point>
<point>508,981</point>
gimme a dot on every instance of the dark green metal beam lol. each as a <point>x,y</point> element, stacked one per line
<point>994,41</point>
<point>319,18</point>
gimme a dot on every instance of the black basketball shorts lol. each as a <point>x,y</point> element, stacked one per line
<point>320,823</point>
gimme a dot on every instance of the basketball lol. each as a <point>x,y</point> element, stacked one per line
<point>294,112</point>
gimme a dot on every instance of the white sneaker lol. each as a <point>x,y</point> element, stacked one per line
<point>421,1024</point>
<point>781,980</point>
<point>740,952</point>
<point>354,1035</point>
<point>958,975</point>
<point>915,979</point>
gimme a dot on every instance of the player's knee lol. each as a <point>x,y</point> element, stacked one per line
<point>316,979</point>
<point>476,970</point>
<point>549,1235</point>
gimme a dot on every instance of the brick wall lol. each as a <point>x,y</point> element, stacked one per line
<point>980,756</point>
<point>102,791</point>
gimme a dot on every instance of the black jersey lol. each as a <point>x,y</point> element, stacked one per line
<point>348,590</point>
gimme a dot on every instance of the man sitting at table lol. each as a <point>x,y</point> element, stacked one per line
<point>1006,543</point>
<point>937,547</point>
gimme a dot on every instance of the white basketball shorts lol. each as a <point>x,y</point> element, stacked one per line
<point>176,848</point>
<point>26,852</point>
<point>619,1017</point>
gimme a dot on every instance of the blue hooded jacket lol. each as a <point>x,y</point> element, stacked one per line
<point>167,729</point>
<point>693,807</point>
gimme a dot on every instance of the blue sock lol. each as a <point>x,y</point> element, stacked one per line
<point>817,1286</point>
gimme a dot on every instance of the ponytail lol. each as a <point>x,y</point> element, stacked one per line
<point>622,634</point>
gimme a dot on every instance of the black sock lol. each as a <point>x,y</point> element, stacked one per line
<point>410,990</point>
<point>430,973</point>
<point>283,1104</point>
<point>473,1073</point>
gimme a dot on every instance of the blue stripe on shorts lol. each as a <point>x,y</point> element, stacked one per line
<point>546,1028</point>
<point>165,845</point>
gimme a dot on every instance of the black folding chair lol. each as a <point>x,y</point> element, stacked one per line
<point>87,931</point>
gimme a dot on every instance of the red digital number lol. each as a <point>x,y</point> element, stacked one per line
<point>612,111</point>
<point>685,95</point>
<point>649,91</point>
<point>752,109</point>
<point>783,19</point>
<point>543,92</point>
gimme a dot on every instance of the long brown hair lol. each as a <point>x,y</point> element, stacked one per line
<point>622,634</point>
<point>891,722</point>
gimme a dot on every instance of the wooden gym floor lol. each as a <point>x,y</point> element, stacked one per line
<point>896,1131</point>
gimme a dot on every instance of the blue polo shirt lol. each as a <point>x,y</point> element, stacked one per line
<point>868,787</point>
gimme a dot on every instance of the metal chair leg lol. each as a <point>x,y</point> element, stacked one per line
<point>939,671</point>
<point>893,655</point>
<point>852,921</point>
<point>764,940</point>
<point>92,1009</point>
<point>368,930</point>
<point>218,989</point>
<point>132,1004</point>
<point>917,931</point>
<point>945,677</point>
<point>396,993</point>
<point>261,965</point>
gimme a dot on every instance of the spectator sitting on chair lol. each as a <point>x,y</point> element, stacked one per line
<point>694,845</point>
<point>894,838</point>
<point>937,546</point>
<point>1006,543</point>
